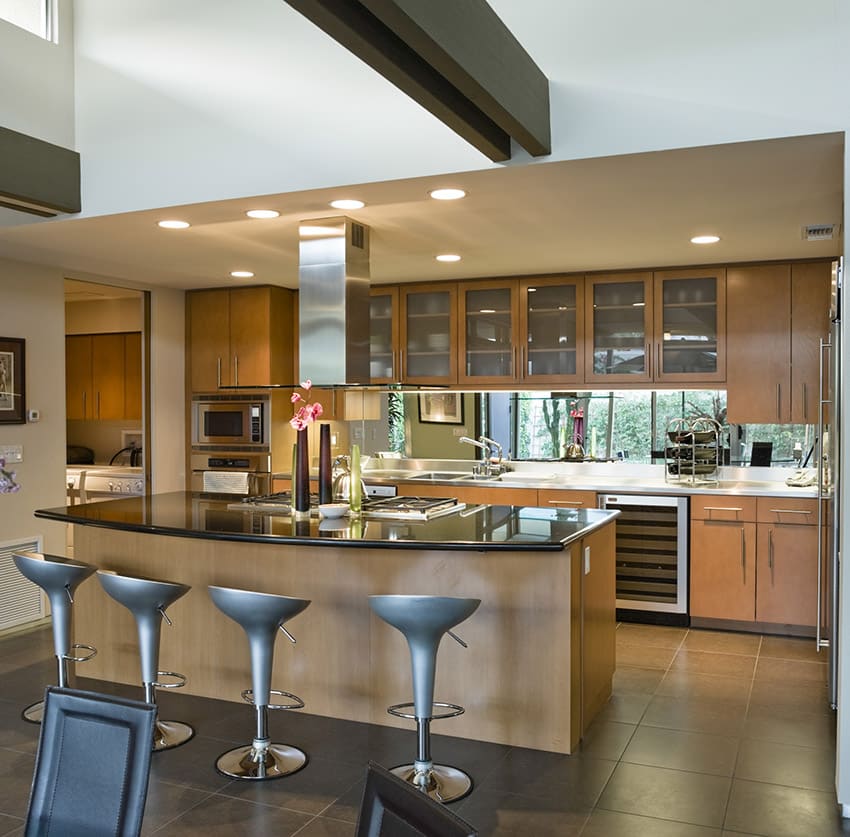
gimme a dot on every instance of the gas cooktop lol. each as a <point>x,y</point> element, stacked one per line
<point>394,508</point>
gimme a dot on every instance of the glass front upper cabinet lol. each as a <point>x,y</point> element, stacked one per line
<point>619,314</point>
<point>428,338</point>
<point>690,317</point>
<point>488,319</point>
<point>384,335</point>
<point>552,329</point>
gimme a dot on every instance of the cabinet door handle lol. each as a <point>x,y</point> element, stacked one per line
<point>521,372</point>
<point>401,370</point>
<point>790,511</point>
<point>647,355</point>
<point>779,402</point>
<point>770,549</point>
<point>743,553</point>
<point>85,400</point>
<point>236,370</point>
<point>98,404</point>
<point>722,508</point>
<point>805,403</point>
<point>218,372</point>
<point>566,502</point>
<point>658,370</point>
<point>513,362</point>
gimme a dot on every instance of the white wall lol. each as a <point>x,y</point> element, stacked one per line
<point>194,101</point>
<point>168,390</point>
<point>32,306</point>
<point>37,81</point>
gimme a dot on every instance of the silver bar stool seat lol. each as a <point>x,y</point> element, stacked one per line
<point>59,578</point>
<point>424,620</point>
<point>260,615</point>
<point>147,599</point>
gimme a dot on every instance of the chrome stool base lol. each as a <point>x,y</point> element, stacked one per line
<point>274,761</point>
<point>34,713</point>
<point>170,734</point>
<point>441,782</point>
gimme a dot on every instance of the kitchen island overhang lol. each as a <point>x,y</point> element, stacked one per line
<point>541,647</point>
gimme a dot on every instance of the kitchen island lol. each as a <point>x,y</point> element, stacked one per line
<point>541,646</point>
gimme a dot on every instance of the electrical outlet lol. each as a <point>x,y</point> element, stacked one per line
<point>12,453</point>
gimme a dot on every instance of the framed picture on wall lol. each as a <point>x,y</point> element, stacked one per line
<point>441,407</point>
<point>12,410</point>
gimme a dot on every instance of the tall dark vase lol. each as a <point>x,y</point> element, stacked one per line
<point>301,478</point>
<point>325,484</point>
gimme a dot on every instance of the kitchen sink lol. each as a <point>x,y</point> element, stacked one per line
<point>479,478</point>
<point>438,475</point>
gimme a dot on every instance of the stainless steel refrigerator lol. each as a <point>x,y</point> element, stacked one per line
<point>829,486</point>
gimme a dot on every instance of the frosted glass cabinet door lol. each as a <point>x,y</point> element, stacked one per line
<point>488,318</point>
<point>383,335</point>
<point>619,313</point>
<point>690,314</point>
<point>552,330</point>
<point>429,333</point>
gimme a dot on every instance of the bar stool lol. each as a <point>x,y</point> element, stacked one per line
<point>59,578</point>
<point>147,599</point>
<point>260,615</point>
<point>423,620</point>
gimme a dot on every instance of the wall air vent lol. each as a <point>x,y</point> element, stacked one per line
<point>819,232</point>
<point>358,236</point>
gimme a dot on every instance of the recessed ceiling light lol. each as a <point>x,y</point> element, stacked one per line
<point>705,239</point>
<point>448,257</point>
<point>173,224</point>
<point>241,274</point>
<point>447,194</point>
<point>262,213</point>
<point>348,204</point>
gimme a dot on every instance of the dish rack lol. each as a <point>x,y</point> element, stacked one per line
<point>693,452</point>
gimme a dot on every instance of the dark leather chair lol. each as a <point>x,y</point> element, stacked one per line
<point>92,767</point>
<point>392,807</point>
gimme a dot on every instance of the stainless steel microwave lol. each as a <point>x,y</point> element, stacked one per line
<point>231,422</point>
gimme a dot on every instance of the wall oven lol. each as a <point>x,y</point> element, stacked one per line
<point>230,422</point>
<point>651,557</point>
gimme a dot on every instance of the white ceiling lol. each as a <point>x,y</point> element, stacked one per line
<point>597,214</point>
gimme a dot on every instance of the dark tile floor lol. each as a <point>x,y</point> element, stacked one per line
<point>707,734</point>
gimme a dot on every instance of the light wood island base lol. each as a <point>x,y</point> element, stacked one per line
<point>541,646</point>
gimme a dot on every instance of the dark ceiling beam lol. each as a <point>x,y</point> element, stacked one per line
<point>455,58</point>
<point>38,177</point>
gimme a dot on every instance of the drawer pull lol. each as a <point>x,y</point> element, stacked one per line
<point>722,508</point>
<point>566,502</point>
<point>790,511</point>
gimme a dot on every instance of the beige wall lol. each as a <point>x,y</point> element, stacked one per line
<point>32,306</point>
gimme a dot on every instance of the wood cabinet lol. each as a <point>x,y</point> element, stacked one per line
<point>551,330</point>
<point>384,335</point>
<point>723,557</point>
<point>429,333</point>
<point>240,337</point>
<point>566,498</point>
<point>787,570</point>
<point>689,324</point>
<point>618,315</point>
<point>103,376</point>
<point>754,560</point>
<point>489,316</point>
<point>775,318</point>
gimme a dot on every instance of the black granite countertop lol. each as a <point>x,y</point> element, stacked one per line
<point>485,527</point>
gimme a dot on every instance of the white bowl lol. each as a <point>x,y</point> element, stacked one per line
<point>333,509</point>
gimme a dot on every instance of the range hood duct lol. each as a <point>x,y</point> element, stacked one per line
<point>333,301</point>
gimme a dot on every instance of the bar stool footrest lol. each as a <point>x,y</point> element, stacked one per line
<point>396,708</point>
<point>179,685</point>
<point>248,697</point>
<point>85,659</point>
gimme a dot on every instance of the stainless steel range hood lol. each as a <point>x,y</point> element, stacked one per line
<point>333,299</point>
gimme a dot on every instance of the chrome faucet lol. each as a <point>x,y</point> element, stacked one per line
<point>487,467</point>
